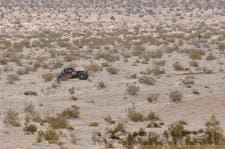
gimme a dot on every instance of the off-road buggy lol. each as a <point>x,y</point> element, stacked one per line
<point>71,73</point>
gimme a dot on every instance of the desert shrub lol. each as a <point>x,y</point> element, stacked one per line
<point>207,70</point>
<point>94,124</point>
<point>195,54</point>
<point>48,77</point>
<point>94,67</point>
<point>11,118</point>
<point>175,96</point>
<point>112,70</point>
<point>138,50</point>
<point>40,136</point>
<point>152,116</point>
<point>153,125</point>
<point>152,97</point>
<point>108,56</point>
<point>23,71</point>
<point>176,131</point>
<point>29,107</point>
<point>188,80</point>
<point>155,71</point>
<point>151,139</point>
<point>147,80</point>
<point>194,63</point>
<point>12,78</point>
<point>119,127</point>
<point>133,115</point>
<point>178,67</point>
<point>30,93</point>
<point>194,91</point>
<point>132,89</point>
<point>69,57</point>
<point>57,64</point>
<point>109,119</point>
<point>214,133</point>
<point>160,63</point>
<point>57,122</point>
<point>133,76</point>
<point>101,85</point>
<point>210,57</point>
<point>72,112</point>
<point>156,54</point>
<point>51,136</point>
<point>73,138</point>
<point>105,64</point>
<point>73,98</point>
<point>221,46</point>
<point>30,128</point>
<point>71,90</point>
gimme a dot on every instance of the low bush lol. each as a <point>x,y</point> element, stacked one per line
<point>175,96</point>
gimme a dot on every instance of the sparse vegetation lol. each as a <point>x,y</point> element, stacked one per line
<point>175,96</point>
<point>11,118</point>
<point>48,77</point>
<point>132,89</point>
<point>147,80</point>
<point>152,97</point>
<point>134,115</point>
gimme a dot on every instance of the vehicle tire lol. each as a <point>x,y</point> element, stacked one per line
<point>83,76</point>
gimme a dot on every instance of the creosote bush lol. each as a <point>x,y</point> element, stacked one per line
<point>133,115</point>
<point>58,122</point>
<point>12,78</point>
<point>48,77</point>
<point>109,119</point>
<point>11,118</point>
<point>176,96</point>
<point>101,85</point>
<point>152,97</point>
<point>30,93</point>
<point>147,80</point>
<point>112,70</point>
<point>178,67</point>
<point>132,89</point>
<point>72,112</point>
<point>30,128</point>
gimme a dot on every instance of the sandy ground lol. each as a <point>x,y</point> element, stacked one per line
<point>95,104</point>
